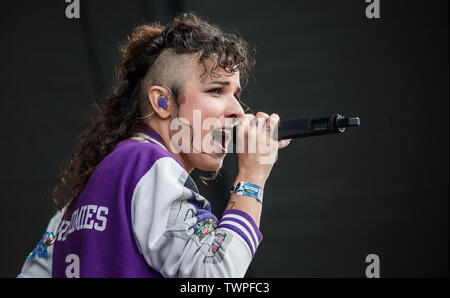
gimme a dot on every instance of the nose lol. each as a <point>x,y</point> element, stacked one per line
<point>234,109</point>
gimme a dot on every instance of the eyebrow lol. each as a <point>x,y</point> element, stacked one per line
<point>224,83</point>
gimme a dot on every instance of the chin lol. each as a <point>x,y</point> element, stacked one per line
<point>206,162</point>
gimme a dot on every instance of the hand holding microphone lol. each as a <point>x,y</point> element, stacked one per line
<point>256,146</point>
<point>267,134</point>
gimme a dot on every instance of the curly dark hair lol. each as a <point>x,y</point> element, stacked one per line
<point>118,115</point>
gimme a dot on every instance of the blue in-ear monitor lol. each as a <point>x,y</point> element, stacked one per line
<point>162,102</point>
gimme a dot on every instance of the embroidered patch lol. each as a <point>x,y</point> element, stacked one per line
<point>217,242</point>
<point>203,228</point>
<point>41,248</point>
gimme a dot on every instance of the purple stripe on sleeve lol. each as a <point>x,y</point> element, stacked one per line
<point>242,234</point>
<point>244,225</point>
<point>247,217</point>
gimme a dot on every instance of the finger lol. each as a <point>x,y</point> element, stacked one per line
<point>258,119</point>
<point>271,125</point>
<point>249,116</point>
<point>261,115</point>
<point>284,143</point>
<point>271,121</point>
<point>246,120</point>
<point>275,118</point>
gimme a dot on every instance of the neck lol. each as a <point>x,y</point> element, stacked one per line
<point>164,133</point>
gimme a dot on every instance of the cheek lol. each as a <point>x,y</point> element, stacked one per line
<point>196,100</point>
<point>203,117</point>
<point>211,113</point>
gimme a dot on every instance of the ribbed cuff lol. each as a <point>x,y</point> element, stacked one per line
<point>241,223</point>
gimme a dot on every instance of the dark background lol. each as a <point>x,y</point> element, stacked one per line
<point>330,201</point>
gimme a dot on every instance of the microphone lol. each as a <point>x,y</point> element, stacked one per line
<point>312,126</point>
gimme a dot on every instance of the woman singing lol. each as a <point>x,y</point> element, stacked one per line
<point>127,205</point>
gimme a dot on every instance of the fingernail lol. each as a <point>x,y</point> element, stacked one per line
<point>289,140</point>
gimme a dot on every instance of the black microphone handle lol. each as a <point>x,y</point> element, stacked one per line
<point>312,126</point>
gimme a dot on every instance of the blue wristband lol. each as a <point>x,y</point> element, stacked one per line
<point>248,189</point>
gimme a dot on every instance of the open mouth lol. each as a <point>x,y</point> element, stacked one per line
<point>222,137</point>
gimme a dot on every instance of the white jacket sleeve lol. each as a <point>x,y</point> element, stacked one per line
<point>38,263</point>
<point>179,236</point>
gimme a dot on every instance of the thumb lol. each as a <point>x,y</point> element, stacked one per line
<point>284,143</point>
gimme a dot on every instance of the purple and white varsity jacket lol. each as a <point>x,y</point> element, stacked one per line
<point>140,215</point>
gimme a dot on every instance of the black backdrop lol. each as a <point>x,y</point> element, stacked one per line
<point>331,200</point>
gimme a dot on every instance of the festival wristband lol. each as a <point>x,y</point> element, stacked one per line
<point>248,189</point>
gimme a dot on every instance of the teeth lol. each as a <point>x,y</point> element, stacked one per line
<point>226,132</point>
<point>220,133</point>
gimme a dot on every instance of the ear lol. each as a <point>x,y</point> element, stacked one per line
<point>154,95</point>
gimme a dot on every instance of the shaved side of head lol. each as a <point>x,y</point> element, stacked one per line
<point>170,70</point>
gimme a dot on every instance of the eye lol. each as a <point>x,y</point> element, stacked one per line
<point>215,91</point>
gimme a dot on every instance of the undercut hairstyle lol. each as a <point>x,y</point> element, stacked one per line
<point>144,55</point>
<point>167,71</point>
